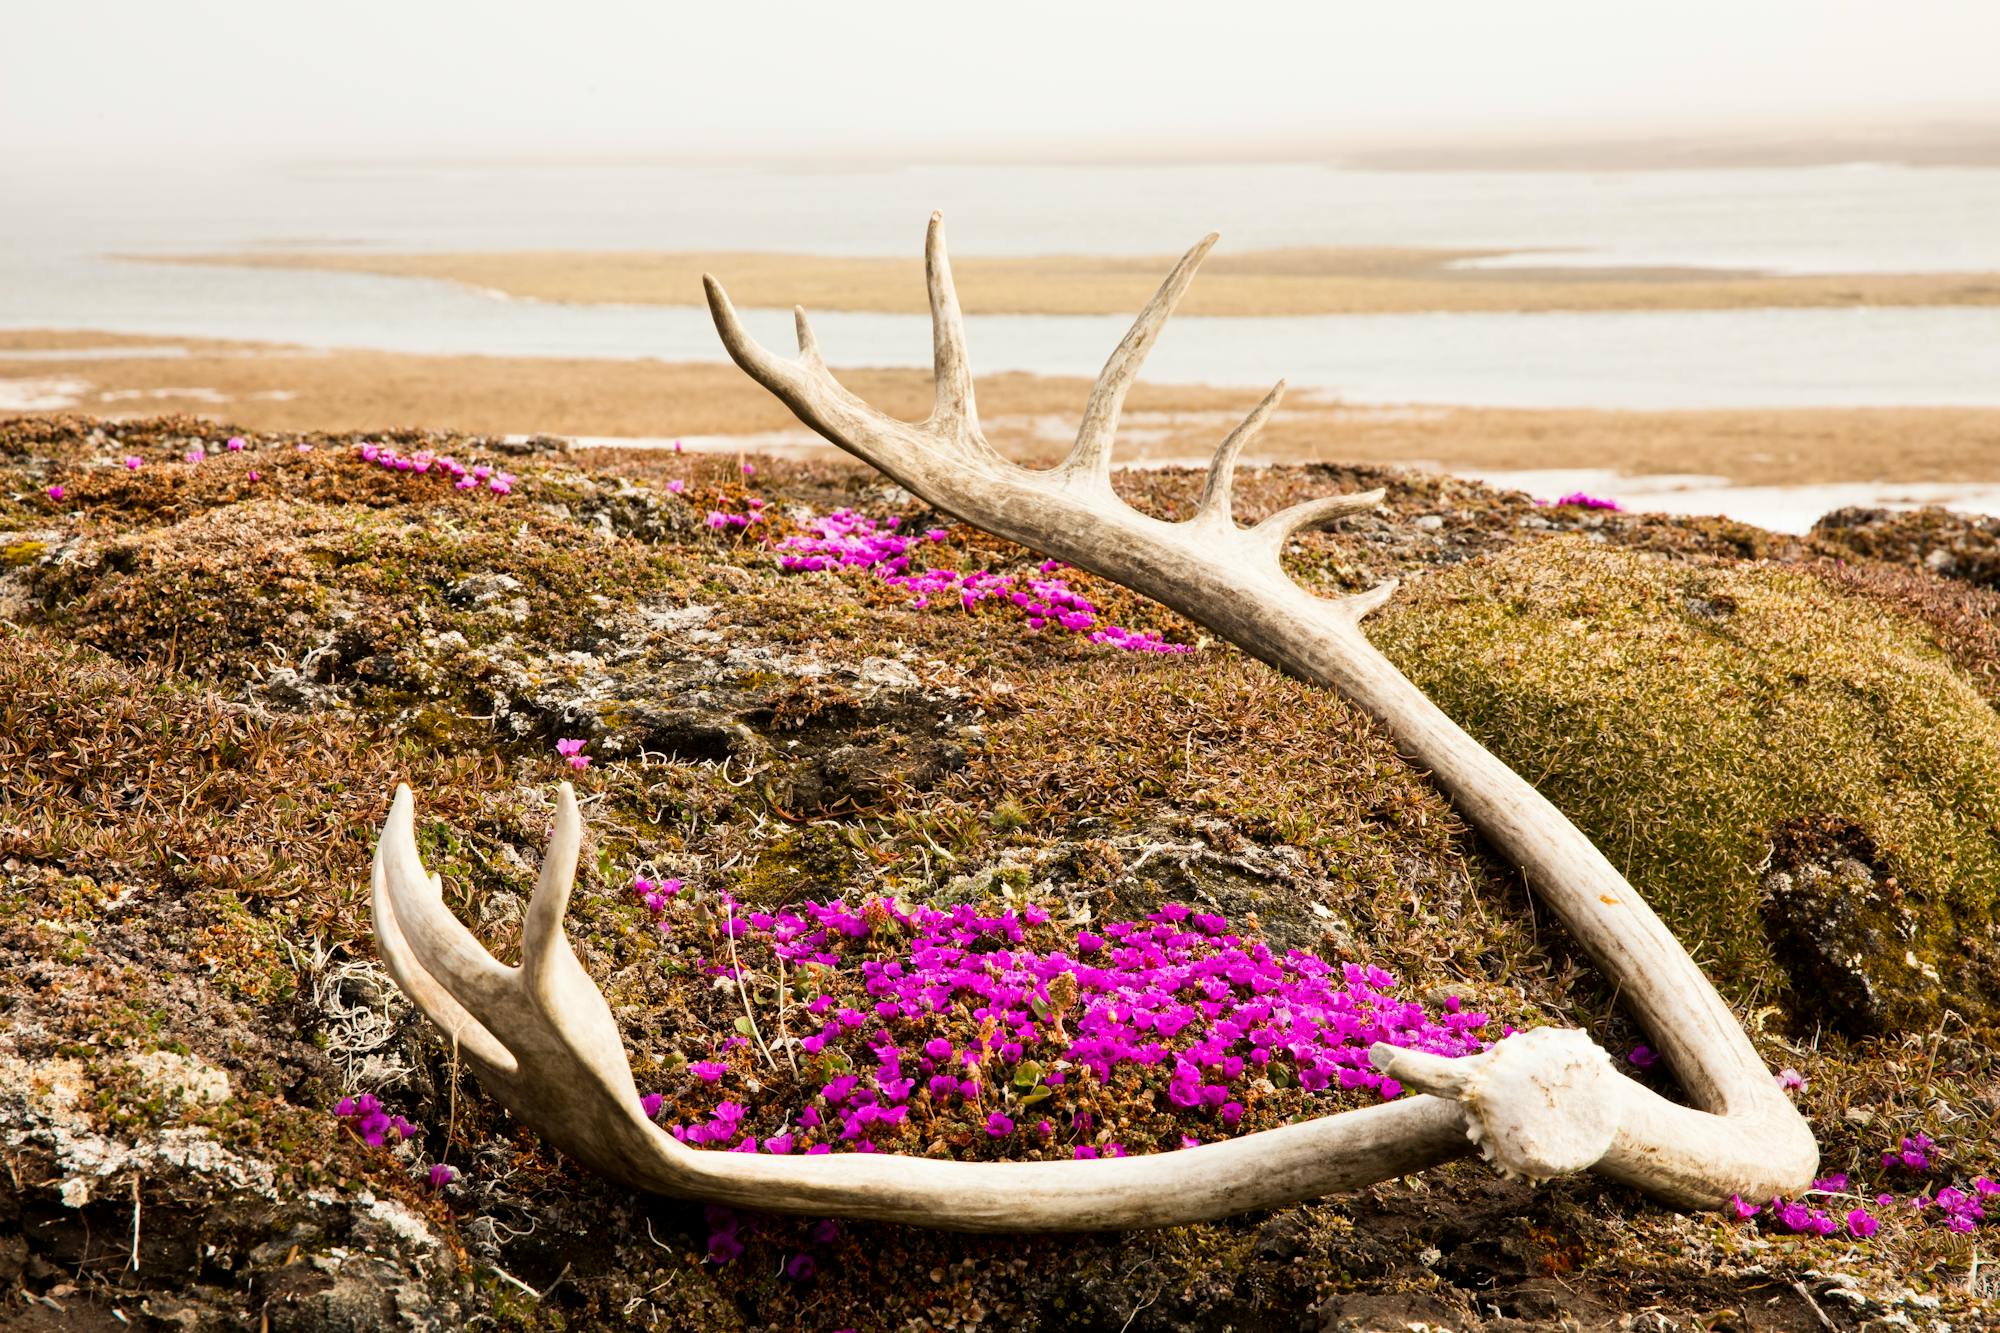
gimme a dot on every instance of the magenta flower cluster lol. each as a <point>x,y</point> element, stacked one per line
<point>1914,1154</point>
<point>1961,1210</point>
<point>365,1116</point>
<point>847,540</point>
<point>727,1228</point>
<point>720,519</point>
<point>571,750</point>
<point>655,894</point>
<point>424,462</point>
<point>982,1017</point>
<point>1584,501</point>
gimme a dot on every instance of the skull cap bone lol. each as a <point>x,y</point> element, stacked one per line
<point>1539,1104</point>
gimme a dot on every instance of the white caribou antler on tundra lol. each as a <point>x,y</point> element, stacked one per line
<point>1537,1104</point>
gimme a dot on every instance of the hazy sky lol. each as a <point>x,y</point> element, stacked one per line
<point>512,77</point>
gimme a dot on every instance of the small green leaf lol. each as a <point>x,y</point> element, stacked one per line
<point>1041,1094</point>
<point>1027,1074</point>
<point>743,1025</point>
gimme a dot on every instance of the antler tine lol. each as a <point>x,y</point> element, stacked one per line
<point>805,385</point>
<point>954,410</point>
<point>1357,605</point>
<point>1273,532</point>
<point>1215,492</point>
<point>808,344</point>
<point>1090,456</point>
<point>542,939</point>
<point>429,954</point>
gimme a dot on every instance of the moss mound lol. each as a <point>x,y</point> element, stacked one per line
<point>1701,723</point>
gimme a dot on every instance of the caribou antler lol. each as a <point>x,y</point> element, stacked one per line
<point>1537,1104</point>
<point>542,1040</point>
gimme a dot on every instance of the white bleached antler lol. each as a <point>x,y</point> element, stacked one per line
<point>542,1040</point>
<point>1537,1104</point>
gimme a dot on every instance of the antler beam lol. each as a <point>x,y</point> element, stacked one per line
<point>542,1040</point>
<point>1536,1104</point>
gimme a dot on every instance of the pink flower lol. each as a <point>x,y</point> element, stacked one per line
<point>676,485</point>
<point>1744,1211</point>
<point>55,492</point>
<point>256,476</point>
<point>442,1175</point>
<point>749,469</point>
<point>1791,1080</point>
<point>1642,1057</point>
<point>998,1125</point>
<point>569,747</point>
<point>133,462</point>
<point>305,448</point>
<point>196,454</point>
<point>235,446</point>
<point>677,446</point>
<point>579,762</point>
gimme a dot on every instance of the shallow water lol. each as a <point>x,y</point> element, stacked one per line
<point>1776,508</point>
<point>1666,359</point>
<point>1862,218</point>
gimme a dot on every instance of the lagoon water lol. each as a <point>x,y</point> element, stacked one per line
<point>57,231</point>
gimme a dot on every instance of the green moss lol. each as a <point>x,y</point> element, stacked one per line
<point>16,554</point>
<point>1688,718</point>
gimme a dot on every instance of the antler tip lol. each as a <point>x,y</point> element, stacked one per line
<point>402,814</point>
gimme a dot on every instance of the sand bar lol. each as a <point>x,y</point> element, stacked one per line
<point>270,387</point>
<point>1315,281</point>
